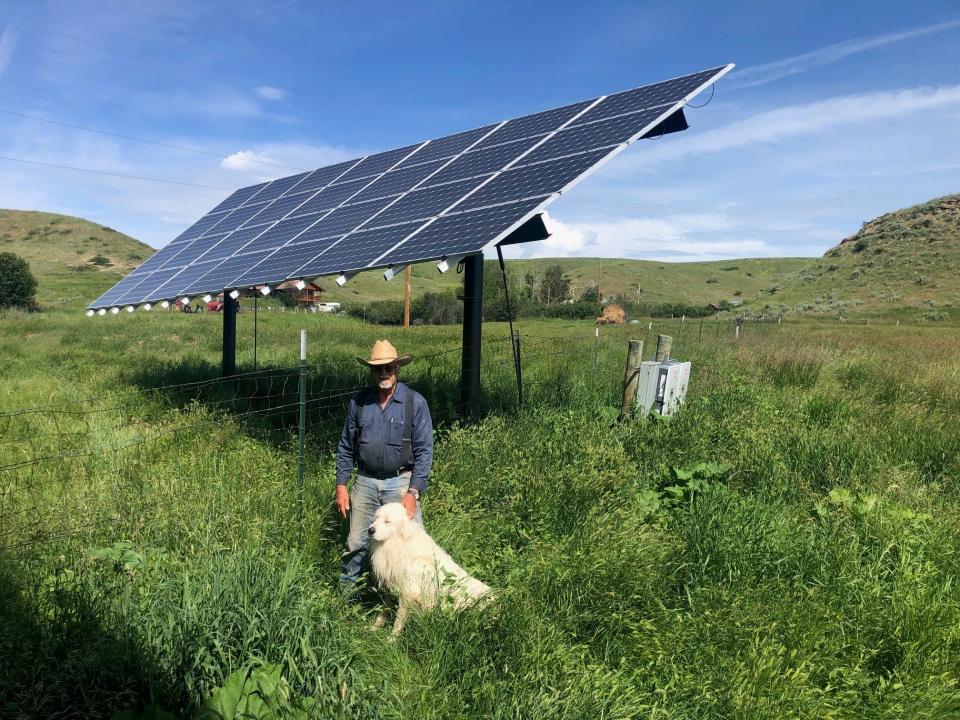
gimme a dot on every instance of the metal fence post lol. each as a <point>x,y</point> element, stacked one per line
<point>303,422</point>
<point>516,367</point>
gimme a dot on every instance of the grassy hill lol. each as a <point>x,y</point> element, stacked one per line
<point>74,260</point>
<point>906,262</point>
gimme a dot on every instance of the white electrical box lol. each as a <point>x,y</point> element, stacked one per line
<point>662,387</point>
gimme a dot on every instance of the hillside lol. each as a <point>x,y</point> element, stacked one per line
<point>74,260</point>
<point>903,263</point>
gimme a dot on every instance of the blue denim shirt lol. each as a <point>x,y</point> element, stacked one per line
<point>372,439</point>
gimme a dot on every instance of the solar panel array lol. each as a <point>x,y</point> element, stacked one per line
<point>448,197</point>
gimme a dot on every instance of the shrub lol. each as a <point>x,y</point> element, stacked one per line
<point>100,261</point>
<point>860,245</point>
<point>443,308</point>
<point>18,286</point>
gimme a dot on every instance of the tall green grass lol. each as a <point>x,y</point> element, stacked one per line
<point>812,573</point>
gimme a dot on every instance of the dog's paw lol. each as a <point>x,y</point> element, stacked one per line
<point>381,619</point>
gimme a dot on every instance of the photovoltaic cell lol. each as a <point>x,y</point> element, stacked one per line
<point>219,276</point>
<point>239,197</point>
<point>596,135</point>
<point>448,146</point>
<point>237,218</point>
<point>356,251</point>
<point>648,96</point>
<point>331,197</point>
<point>398,181</point>
<point>460,234</point>
<point>277,188</point>
<point>161,257</point>
<point>193,250</point>
<point>485,161</point>
<point>177,286</point>
<point>278,208</point>
<point>347,217</point>
<point>234,242</point>
<point>282,263</point>
<point>201,226</point>
<point>426,203</point>
<point>379,163</point>
<point>536,124</point>
<point>152,289</point>
<point>323,176</point>
<point>281,233</point>
<point>453,195</point>
<point>532,180</point>
<point>113,295</point>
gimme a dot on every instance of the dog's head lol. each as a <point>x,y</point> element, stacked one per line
<point>391,520</point>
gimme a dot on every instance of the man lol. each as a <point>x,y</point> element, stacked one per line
<point>388,436</point>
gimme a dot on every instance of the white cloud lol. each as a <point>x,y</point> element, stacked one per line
<point>762,74</point>
<point>245,160</point>
<point>797,120</point>
<point>268,92</point>
<point>676,237</point>
<point>8,41</point>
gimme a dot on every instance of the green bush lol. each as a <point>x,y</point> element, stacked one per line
<point>443,308</point>
<point>18,286</point>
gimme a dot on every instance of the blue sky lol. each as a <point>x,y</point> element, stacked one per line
<point>837,112</point>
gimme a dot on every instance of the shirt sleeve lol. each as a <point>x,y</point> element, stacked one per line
<point>422,441</point>
<point>345,446</point>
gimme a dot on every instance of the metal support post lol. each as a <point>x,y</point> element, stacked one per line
<point>229,310</point>
<point>303,423</point>
<point>472,331</point>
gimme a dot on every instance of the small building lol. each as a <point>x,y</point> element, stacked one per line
<point>309,297</point>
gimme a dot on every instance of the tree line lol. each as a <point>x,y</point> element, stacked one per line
<point>547,295</point>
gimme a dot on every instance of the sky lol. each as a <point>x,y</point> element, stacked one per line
<point>835,113</point>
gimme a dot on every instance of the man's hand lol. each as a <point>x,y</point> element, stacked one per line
<point>410,505</point>
<point>343,500</point>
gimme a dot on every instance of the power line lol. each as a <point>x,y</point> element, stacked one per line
<point>113,174</point>
<point>142,140</point>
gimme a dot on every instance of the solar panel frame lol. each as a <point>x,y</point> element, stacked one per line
<point>576,119</point>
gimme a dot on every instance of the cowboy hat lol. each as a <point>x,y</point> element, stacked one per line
<point>383,353</point>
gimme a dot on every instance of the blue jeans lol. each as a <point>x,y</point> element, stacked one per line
<point>366,497</point>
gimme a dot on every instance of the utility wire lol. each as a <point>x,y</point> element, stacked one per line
<point>113,174</point>
<point>141,140</point>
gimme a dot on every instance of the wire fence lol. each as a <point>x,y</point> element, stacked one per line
<point>59,460</point>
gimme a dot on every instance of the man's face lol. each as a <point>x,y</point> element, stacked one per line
<point>385,376</point>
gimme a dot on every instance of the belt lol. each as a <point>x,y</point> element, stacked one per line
<point>361,470</point>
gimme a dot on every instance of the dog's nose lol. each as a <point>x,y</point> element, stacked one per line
<point>371,530</point>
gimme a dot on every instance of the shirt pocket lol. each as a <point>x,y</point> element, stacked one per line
<point>395,432</point>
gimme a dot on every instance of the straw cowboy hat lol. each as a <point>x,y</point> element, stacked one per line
<point>383,353</point>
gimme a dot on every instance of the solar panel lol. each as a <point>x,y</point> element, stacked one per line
<point>455,195</point>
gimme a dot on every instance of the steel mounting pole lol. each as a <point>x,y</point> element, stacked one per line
<point>229,310</point>
<point>472,330</point>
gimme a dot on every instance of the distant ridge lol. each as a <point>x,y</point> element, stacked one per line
<point>905,262</point>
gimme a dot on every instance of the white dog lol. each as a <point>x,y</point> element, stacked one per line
<point>409,564</point>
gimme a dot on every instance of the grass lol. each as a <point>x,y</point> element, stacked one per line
<point>785,547</point>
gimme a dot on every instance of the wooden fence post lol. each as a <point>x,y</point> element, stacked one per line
<point>664,343</point>
<point>631,377</point>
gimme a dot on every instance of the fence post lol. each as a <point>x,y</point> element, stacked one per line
<point>631,377</point>
<point>664,343</point>
<point>516,367</point>
<point>303,423</point>
<point>596,346</point>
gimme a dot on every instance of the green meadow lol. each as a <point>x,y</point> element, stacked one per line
<point>786,546</point>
